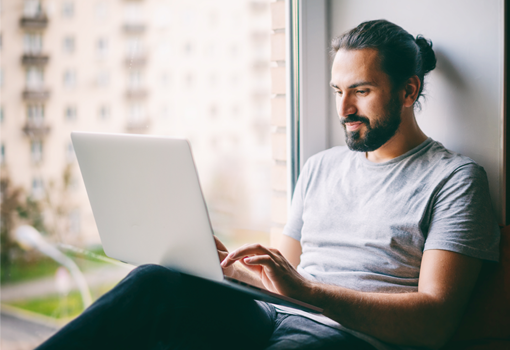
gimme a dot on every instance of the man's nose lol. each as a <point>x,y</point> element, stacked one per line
<point>345,106</point>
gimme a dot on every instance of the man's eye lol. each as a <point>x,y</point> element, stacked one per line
<point>338,92</point>
<point>362,92</point>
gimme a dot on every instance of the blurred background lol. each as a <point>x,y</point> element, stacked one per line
<point>197,69</point>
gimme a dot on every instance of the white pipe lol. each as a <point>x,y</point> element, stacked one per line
<point>29,238</point>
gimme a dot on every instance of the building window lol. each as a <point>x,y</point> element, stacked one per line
<point>101,11</point>
<point>70,113</point>
<point>1,77</point>
<point>35,77</point>
<point>135,79</point>
<point>1,114</point>
<point>134,46</point>
<point>104,112</point>
<point>32,43</point>
<point>74,222</point>
<point>70,78</point>
<point>136,112</point>
<point>37,188</point>
<point>35,114</point>
<point>103,78</point>
<point>70,155</point>
<point>2,154</point>
<point>102,48</point>
<point>68,9</point>
<point>36,151</point>
<point>32,8</point>
<point>133,13</point>
<point>68,44</point>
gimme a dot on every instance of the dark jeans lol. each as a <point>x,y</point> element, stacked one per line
<point>156,308</point>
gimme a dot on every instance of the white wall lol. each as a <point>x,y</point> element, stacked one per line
<point>464,104</point>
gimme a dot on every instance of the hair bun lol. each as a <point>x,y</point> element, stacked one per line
<point>428,58</point>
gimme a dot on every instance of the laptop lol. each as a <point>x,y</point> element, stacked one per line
<point>149,209</point>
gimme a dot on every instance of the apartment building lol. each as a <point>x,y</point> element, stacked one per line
<point>196,69</point>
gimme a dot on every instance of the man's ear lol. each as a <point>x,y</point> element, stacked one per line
<point>411,90</point>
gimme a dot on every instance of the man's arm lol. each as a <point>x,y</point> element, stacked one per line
<point>424,318</point>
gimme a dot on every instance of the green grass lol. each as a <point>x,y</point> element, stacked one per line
<point>42,266</point>
<point>58,306</point>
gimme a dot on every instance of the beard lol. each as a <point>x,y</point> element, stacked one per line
<point>376,135</point>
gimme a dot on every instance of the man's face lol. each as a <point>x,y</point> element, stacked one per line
<point>368,108</point>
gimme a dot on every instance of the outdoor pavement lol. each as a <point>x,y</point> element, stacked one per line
<point>47,285</point>
<point>22,334</point>
<point>20,330</point>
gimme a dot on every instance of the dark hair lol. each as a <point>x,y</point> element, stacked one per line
<point>401,55</point>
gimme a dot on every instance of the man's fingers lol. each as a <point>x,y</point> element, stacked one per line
<point>265,260</point>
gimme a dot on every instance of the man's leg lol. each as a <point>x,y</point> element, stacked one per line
<point>156,308</point>
<point>297,332</point>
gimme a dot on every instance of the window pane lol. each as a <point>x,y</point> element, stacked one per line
<point>195,69</point>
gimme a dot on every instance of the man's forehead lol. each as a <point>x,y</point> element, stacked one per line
<point>357,66</point>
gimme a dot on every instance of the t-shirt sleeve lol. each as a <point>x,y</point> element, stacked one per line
<point>295,217</point>
<point>462,218</point>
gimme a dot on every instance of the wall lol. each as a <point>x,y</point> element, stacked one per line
<point>463,108</point>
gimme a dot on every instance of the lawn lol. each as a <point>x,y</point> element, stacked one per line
<point>59,306</point>
<point>42,266</point>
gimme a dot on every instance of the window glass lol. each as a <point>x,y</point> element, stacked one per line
<point>195,69</point>
<point>34,77</point>
<point>68,44</point>
<point>32,43</point>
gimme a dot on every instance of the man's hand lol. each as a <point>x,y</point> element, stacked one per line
<point>276,273</point>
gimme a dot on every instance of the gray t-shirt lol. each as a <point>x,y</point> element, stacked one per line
<point>364,225</point>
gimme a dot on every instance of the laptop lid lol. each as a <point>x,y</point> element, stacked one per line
<point>147,202</point>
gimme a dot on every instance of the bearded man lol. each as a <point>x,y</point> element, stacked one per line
<point>387,235</point>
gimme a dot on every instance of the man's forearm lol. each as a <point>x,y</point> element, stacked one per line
<point>411,319</point>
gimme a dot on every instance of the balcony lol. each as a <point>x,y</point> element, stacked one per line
<point>36,94</point>
<point>36,130</point>
<point>136,60</point>
<point>34,59</point>
<point>136,93</point>
<point>138,126</point>
<point>36,21</point>
<point>134,27</point>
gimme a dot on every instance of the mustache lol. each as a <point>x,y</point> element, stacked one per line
<point>353,118</point>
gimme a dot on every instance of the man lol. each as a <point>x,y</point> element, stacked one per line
<point>387,235</point>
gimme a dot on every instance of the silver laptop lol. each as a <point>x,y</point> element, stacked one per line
<point>149,208</point>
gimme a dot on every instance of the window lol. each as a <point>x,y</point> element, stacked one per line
<point>1,77</point>
<point>36,151</point>
<point>34,77</point>
<point>32,43</point>
<point>70,155</point>
<point>74,222</point>
<point>101,11</point>
<point>103,78</point>
<point>37,188</point>
<point>134,46</point>
<point>2,154</point>
<point>102,48</point>
<point>133,13</point>
<point>70,113</point>
<point>104,112</point>
<point>68,44</point>
<point>68,9</point>
<point>70,78</point>
<point>136,112</point>
<point>135,79</point>
<point>32,8</point>
<point>35,114</point>
<point>1,114</point>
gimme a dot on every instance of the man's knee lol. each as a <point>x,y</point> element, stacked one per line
<point>150,276</point>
